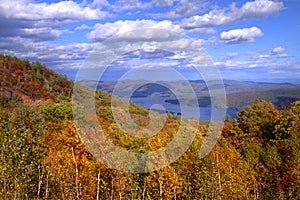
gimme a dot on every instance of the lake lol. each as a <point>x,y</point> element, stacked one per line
<point>205,112</point>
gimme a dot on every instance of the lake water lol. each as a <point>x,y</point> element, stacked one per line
<point>205,112</point>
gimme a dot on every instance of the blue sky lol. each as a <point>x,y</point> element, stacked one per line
<point>257,40</point>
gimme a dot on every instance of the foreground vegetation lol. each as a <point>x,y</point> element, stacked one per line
<point>42,156</point>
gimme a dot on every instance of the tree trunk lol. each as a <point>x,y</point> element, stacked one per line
<point>98,183</point>
<point>219,177</point>
<point>47,185</point>
<point>120,189</point>
<point>175,195</point>
<point>112,189</point>
<point>39,182</point>
<point>76,173</point>
<point>160,191</point>
<point>144,191</point>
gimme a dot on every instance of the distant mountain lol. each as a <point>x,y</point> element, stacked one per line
<point>239,93</point>
<point>281,97</point>
<point>240,86</point>
<point>199,86</point>
<point>21,80</point>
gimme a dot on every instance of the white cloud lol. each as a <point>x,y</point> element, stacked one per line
<point>209,42</point>
<point>203,30</point>
<point>245,64</point>
<point>278,49</point>
<point>82,27</point>
<point>213,18</point>
<point>241,35</point>
<point>250,10</point>
<point>104,31</point>
<point>99,3</point>
<point>261,56</point>
<point>43,33</point>
<point>178,8</point>
<point>283,55</point>
<point>64,10</point>
<point>162,3</point>
<point>156,65</point>
<point>233,64</point>
<point>261,62</point>
<point>51,54</point>
<point>253,65</point>
<point>232,54</point>
<point>122,5</point>
<point>261,8</point>
<point>190,7</point>
<point>40,21</point>
<point>276,72</point>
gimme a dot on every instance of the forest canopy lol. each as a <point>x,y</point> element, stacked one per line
<point>42,155</point>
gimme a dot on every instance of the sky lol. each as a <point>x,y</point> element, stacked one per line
<point>255,40</point>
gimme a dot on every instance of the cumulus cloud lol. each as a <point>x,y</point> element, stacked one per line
<point>82,27</point>
<point>262,56</point>
<point>42,33</point>
<point>257,9</point>
<point>203,30</point>
<point>64,10</point>
<point>261,8</point>
<point>232,54</point>
<point>265,63</point>
<point>123,5</point>
<point>123,28</point>
<point>241,35</point>
<point>51,54</point>
<point>156,65</point>
<point>162,3</point>
<point>283,55</point>
<point>278,49</point>
<point>100,3</point>
<point>185,7</point>
<point>40,21</point>
<point>232,64</point>
<point>26,25</point>
<point>211,19</point>
<point>180,8</point>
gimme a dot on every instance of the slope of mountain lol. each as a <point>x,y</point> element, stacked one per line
<point>42,156</point>
<point>21,80</point>
<point>279,97</point>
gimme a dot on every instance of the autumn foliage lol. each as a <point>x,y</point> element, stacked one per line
<point>21,81</point>
<point>42,155</point>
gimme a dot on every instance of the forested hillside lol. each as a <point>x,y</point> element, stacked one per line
<point>21,80</point>
<point>281,98</point>
<point>42,155</point>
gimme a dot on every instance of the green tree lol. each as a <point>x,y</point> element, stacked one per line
<point>268,140</point>
<point>258,121</point>
<point>4,148</point>
<point>23,152</point>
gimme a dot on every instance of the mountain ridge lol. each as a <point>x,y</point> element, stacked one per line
<point>231,86</point>
<point>239,93</point>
